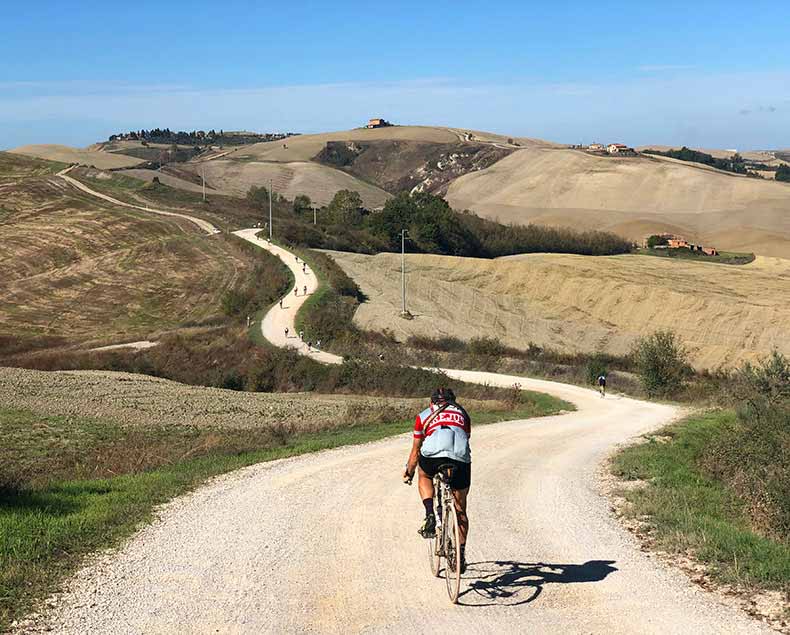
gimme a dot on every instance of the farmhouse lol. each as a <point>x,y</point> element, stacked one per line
<point>378,123</point>
<point>596,147</point>
<point>619,148</point>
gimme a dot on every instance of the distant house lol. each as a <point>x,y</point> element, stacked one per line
<point>678,243</point>
<point>710,251</point>
<point>619,148</point>
<point>596,147</point>
<point>378,123</point>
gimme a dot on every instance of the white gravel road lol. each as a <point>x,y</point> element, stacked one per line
<point>327,543</point>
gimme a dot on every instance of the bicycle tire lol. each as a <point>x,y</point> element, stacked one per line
<point>451,534</point>
<point>435,543</point>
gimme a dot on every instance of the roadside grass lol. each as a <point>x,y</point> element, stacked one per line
<point>75,485</point>
<point>690,511</point>
<point>723,258</point>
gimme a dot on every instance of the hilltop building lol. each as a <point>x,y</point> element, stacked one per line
<point>378,123</point>
<point>619,148</point>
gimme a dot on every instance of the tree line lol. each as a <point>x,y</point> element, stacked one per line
<point>433,227</point>
<point>197,137</point>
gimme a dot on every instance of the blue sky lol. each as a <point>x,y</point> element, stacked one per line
<point>709,74</point>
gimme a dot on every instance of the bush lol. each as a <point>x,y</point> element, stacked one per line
<point>753,455</point>
<point>661,362</point>
<point>596,366</point>
<point>486,346</point>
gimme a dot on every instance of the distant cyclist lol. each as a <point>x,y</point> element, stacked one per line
<point>602,384</point>
<point>441,436</point>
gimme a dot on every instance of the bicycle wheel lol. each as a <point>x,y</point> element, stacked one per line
<point>452,552</point>
<point>435,543</point>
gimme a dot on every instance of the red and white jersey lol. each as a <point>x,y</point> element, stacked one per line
<point>450,416</point>
<point>446,434</point>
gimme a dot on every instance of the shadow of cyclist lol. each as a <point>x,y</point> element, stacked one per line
<point>510,583</point>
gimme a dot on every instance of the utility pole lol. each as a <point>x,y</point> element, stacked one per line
<point>403,233</point>
<point>315,209</point>
<point>270,210</point>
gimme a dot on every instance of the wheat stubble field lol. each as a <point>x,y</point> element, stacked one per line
<point>80,269</point>
<point>725,314</point>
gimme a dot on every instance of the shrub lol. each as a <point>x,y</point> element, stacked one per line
<point>595,367</point>
<point>661,362</point>
<point>753,454</point>
<point>487,346</point>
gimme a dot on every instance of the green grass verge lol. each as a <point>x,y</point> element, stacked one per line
<point>689,511</point>
<point>723,258</point>
<point>47,528</point>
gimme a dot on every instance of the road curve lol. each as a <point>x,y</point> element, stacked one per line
<point>327,542</point>
<point>202,224</point>
<point>278,319</point>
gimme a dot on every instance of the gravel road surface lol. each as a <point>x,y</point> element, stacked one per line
<point>327,543</point>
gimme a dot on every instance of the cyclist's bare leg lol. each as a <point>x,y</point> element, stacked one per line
<point>460,505</point>
<point>424,485</point>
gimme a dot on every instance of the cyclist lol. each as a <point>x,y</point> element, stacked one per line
<point>602,384</point>
<point>441,436</point>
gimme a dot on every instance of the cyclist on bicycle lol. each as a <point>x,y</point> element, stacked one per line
<point>602,384</point>
<point>441,436</point>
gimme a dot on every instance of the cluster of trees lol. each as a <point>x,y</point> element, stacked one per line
<point>783,173</point>
<point>196,137</point>
<point>434,227</point>
<point>736,163</point>
<point>733,164</point>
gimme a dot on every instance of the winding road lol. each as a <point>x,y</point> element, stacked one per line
<point>327,542</point>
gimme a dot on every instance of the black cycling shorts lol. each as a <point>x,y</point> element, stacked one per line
<point>462,474</point>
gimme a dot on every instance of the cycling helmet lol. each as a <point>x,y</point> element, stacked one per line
<point>442,394</point>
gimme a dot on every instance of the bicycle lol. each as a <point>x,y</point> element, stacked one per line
<point>447,541</point>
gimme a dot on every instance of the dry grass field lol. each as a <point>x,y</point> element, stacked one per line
<point>66,154</point>
<point>78,269</point>
<point>632,197</point>
<point>725,314</point>
<point>305,147</point>
<point>318,182</point>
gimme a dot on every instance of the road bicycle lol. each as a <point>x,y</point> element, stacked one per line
<point>447,541</point>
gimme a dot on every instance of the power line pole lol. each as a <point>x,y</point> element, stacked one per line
<point>315,209</point>
<point>403,271</point>
<point>270,210</point>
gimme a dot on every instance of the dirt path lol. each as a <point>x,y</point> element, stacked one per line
<point>202,224</point>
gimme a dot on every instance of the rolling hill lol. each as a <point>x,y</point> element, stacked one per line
<point>725,314</point>
<point>65,154</point>
<point>632,197</point>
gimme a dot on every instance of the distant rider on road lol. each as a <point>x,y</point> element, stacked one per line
<point>441,436</point>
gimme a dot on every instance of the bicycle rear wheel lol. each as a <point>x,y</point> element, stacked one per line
<point>452,552</point>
